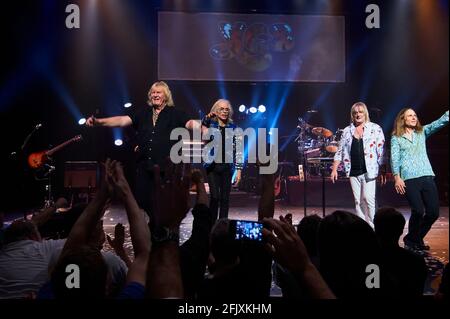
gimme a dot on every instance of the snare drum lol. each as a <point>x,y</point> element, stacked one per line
<point>333,143</point>
<point>332,147</point>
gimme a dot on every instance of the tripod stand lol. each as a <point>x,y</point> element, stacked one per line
<point>47,176</point>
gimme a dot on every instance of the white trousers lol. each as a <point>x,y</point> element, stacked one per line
<point>364,193</point>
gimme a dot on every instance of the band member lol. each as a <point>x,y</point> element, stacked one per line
<point>219,170</point>
<point>153,125</point>
<point>413,174</point>
<point>361,149</point>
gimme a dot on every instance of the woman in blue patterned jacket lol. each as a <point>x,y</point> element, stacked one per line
<point>413,173</point>
<point>221,165</point>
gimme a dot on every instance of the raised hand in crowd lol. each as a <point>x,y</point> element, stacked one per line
<point>288,250</point>
<point>118,242</point>
<point>139,231</point>
<point>199,186</point>
<point>172,192</point>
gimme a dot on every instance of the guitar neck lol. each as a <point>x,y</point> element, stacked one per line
<point>60,146</point>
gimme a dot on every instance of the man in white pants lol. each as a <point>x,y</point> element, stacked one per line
<point>361,150</point>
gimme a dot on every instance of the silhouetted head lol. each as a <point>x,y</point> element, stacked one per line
<point>389,224</point>
<point>21,230</point>
<point>84,265</point>
<point>346,246</point>
<point>307,230</point>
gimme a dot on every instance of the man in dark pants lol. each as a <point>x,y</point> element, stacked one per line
<point>220,170</point>
<point>413,173</point>
<point>153,125</point>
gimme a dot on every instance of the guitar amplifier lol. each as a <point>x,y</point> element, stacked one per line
<point>81,174</point>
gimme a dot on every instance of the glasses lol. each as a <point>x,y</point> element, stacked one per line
<point>224,110</point>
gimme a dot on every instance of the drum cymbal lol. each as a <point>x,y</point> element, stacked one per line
<point>321,131</point>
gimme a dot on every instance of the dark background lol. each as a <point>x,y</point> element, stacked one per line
<point>54,75</point>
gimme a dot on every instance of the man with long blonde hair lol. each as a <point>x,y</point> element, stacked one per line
<point>153,125</point>
<point>361,148</point>
<point>413,173</point>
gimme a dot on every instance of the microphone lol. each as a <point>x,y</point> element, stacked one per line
<point>38,126</point>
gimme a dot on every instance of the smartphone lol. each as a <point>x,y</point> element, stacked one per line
<point>247,230</point>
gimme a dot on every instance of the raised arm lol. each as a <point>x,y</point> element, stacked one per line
<point>114,121</point>
<point>164,273</point>
<point>289,251</point>
<point>44,216</point>
<point>139,231</point>
<point>85,225</point>
<point>195,251</point>
<point>435,126</point>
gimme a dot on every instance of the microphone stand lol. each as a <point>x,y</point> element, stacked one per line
<point>36,127</point>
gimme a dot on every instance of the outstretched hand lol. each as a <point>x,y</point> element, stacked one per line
<point>91,121</point>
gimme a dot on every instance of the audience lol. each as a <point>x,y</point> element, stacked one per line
<point>81,250</point>
<point>24,260</point>
<point>347,245</point>
<point>339,256</point>
<point>407,268</point>
<point>307,230</point>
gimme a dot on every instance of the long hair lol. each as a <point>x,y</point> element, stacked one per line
<point>399,124</point>
<point>215,108</point>
<point>166,90</point>
<point>364,107</point>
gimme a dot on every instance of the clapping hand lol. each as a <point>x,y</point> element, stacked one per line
<point>172,194</point>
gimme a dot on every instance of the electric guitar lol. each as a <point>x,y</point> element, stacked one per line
<point>38,159</point>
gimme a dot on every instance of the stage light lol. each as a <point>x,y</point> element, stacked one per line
<point>261,108</point>
<point>82,121</point>
<point>242,108</point>
<point>253,110</point>
<point>127,105</point>
<point>118,142</point>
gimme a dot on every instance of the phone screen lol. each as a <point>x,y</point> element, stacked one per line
<point>248,230</point>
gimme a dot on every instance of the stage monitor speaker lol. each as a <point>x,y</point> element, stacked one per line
<point>83,174</point>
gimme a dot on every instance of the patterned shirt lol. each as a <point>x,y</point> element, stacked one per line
<point>235,153</point>
<point>409,157</point>
<point>373,143</point>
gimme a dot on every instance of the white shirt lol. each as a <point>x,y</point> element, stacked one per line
<point>24,266</point>
<point>373,143</point>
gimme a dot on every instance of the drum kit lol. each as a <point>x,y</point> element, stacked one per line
<point>316,145</point>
